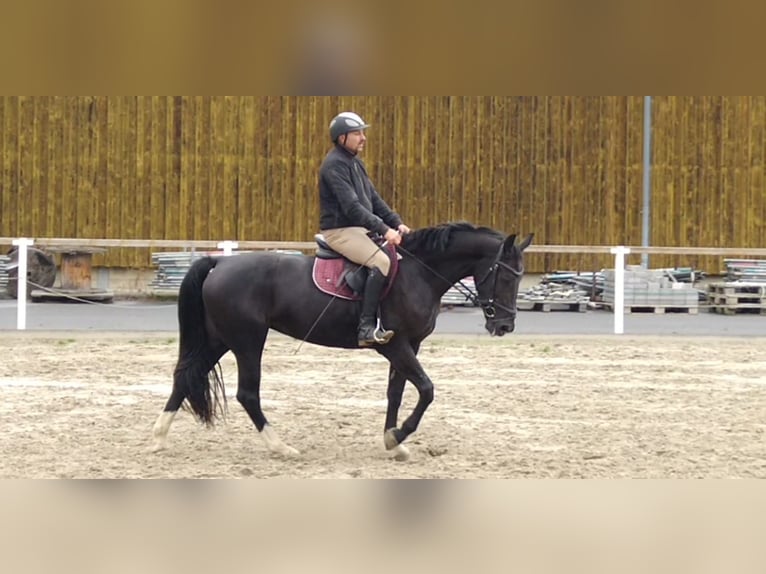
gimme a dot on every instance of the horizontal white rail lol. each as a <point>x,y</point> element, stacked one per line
<point>307,245</point>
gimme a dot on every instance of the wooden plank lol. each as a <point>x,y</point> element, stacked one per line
<point>127,163</point>
<point>226,160</point>
<point>90,222</point>
<point>160,150</point>
<point>247,178</point>
<point>174,169</point>
<point>9,197</point>
<point>101,164</point>
<point>143,169</point>
<point>206,205</point>
<point>25,189</point>
<point>306,167</point>
<point>188,172</point>
<point>114,151</point>
<point>43,160</point>
<point>281,209</point>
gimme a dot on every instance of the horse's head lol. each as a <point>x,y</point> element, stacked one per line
<point>498,286</point>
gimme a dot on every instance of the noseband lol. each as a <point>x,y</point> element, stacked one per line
<point>489,306</point>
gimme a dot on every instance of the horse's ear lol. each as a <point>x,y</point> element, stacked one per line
<point>527,241</point>
<point>509,242</point>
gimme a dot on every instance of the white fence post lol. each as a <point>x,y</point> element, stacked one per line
<point>228,247</point>
<point>21,282</point>
<point>619,288</point>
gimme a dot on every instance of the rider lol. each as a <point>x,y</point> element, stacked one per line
<point>351,208</point>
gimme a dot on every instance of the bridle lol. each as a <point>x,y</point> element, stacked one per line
<point>488,306</point>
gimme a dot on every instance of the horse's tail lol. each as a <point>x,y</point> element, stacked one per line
<point>197,374</point>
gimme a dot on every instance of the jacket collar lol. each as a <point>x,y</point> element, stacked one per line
<point>345,152</point>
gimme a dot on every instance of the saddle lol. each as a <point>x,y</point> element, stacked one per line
<point>337,276</point>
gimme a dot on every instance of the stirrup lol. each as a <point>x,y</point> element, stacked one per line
<point>380,336</point>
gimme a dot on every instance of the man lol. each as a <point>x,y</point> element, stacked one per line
<point>351,208</point>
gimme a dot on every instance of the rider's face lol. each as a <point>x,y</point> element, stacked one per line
<point>354,141</point>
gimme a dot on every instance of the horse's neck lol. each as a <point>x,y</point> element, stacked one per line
<point>454,270</point>
<point>455,264</point>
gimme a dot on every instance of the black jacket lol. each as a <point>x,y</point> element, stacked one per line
<point>347,197</point>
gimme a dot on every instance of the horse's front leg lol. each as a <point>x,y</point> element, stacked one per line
<point>396,382</point>
<point>404,366</point>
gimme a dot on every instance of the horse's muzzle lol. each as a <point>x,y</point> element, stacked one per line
<point>501,328</point>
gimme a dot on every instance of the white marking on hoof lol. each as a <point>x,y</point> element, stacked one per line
<point>160,430</point>
<point>389,439</point>
<point>275,444</point>
<point>401,453</point>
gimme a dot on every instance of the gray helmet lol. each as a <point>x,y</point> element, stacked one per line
<point>344,123</point>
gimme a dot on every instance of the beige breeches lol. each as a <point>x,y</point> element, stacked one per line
<point>353,244</point>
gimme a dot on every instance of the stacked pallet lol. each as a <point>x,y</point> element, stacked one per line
<point>651,290</point>
<point>743,290</point>
<point>733,298</point>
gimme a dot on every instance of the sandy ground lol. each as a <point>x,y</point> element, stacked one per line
<point>83,405</point>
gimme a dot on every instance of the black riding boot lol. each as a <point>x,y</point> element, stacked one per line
<point>369,334</point>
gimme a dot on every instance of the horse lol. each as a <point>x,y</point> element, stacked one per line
<point>230,304</point>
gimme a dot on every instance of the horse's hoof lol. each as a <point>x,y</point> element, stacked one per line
<point>287,452</point>
<point>401,453</point>
<point>158,447</point>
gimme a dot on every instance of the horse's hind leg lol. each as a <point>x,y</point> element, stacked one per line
<point>162,426</point>
<point>206,363</point>
<point>249,392</point>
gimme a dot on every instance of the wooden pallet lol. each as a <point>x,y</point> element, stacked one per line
<point>734,298</point>
<point>656,309</point>
<point>552,305</point>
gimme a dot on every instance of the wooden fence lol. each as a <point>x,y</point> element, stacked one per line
<point>568,168</point>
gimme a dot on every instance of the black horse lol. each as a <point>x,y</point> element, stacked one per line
<point>229,304</point>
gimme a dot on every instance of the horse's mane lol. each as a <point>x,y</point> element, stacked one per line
<point>437,239</point>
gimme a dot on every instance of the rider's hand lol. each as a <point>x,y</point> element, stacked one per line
<point>404,230</point>
<point>392,237</point>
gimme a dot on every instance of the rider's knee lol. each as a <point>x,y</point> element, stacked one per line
<point>383,264</point>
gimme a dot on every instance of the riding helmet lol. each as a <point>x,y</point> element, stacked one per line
<point>344,123</point>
